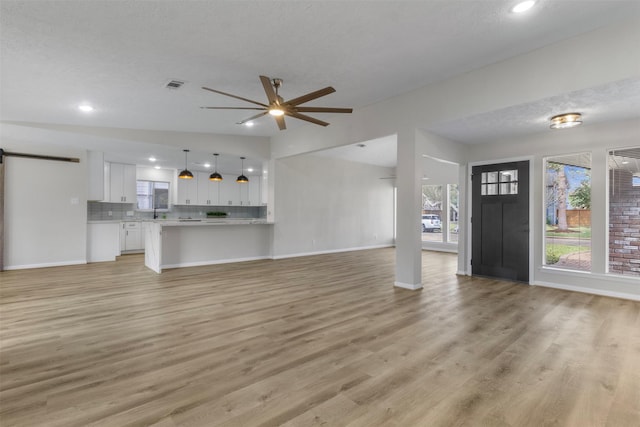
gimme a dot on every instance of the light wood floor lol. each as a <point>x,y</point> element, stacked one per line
<point>323,340</point>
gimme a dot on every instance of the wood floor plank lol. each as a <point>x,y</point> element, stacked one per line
<point>319,340</point>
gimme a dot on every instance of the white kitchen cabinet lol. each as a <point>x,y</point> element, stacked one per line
<point>103,241</point>
<point>208,191</point>
<point>250,192</point>
<point>188,191</point>
<point>229,191</point>
<point>121,182</point>
<point>131,236</point>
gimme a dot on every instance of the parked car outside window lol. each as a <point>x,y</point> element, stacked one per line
<point>431,223</point>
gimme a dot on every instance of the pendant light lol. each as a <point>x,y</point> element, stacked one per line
<point>215,176</point>
<point>242,179</point>
<point>185,174</point>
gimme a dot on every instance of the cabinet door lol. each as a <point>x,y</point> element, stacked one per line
<point>188,191</point>
<point>129,184</point>
<point>116,182</point>
<point>122,183</point>
<point>132,241</point>
<point>229,191</point>
<point>208,191</point>
<point>254,198</point>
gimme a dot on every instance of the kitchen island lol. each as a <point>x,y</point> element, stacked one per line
<point>188,243</point>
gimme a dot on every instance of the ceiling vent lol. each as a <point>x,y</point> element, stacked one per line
<point>174,84</point>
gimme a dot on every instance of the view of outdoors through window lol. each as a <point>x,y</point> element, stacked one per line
<point>568,211</point>
<point>152,195</point>
<point>437,201</point>
<point>624,212</point>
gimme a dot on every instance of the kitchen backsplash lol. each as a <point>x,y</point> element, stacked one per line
<point>100,211</point>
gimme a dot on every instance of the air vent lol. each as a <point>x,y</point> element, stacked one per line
<point>174,84</point>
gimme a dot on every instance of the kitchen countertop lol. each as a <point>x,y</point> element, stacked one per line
<point>190,222</point>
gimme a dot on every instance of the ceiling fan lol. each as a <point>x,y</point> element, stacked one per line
<point>278,107</point>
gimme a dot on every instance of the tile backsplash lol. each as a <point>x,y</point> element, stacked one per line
<point>101,211</point>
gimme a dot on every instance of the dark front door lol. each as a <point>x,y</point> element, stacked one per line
<point>500,221</point>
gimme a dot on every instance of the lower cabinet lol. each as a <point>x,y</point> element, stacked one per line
<point>131,236</point>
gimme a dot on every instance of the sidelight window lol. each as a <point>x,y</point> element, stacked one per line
<point>567,238</point>
<point>624,212</point>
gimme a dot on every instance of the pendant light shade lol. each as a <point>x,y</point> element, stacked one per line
<point>242,179</point>
<point>185,174</point>
<point>215,176</point>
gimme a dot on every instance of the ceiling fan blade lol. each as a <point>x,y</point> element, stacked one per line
<point>323,110</point>
<point>306,118</point>
<point>311,96</point>
<point>231,108</point>
<point>268,89</point>
<point>234,96</point>
<point>280,121</point>
<point>252,118</point>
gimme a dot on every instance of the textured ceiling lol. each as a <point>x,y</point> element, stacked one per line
<point>118,55</point>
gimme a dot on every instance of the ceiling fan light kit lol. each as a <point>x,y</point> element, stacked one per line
<point>278,107</point>
<point>566,121</point>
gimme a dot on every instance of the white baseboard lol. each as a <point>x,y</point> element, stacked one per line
<point>200,263</point>
<point>412,287</point>
<point>623,295</point>
<point>45,265</point>
<point>332,251</point>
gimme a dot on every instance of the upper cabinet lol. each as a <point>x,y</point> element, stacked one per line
<point>188,191</point>
<point>203,192</point>
<point>122,182</point>
<point>208,191</point>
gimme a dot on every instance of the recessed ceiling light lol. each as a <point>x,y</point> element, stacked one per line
<point>85,108</point>
<point>157,166</point>
<point>625,162</point>
<point>523,6</point>
<point>249,169</point>
<point>249,124</point>
<point>152,159</point>
<point>207,165</point>
<point>565,121</point>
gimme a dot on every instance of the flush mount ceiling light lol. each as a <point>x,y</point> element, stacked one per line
<point>276,112</point>
<point>85,108</point>
<point>523,6</point>
<point>185,174</point>
<point>242,179</point>
<point>215,176</point>
<point>566,121</point>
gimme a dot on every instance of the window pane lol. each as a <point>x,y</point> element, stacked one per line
<point>507,176</point>
<point>624,211</point>
<point>453,213</point>
<point>492,189</point>
<point>492,176</point>
<point>484,177</point>
<point>432,198</point>
<point>568,211</point>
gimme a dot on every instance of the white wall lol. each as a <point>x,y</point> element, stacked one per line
<point>325,205</point>
<point>45,208</point>
<point>597,140</point>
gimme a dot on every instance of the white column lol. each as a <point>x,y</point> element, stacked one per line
<point>599,211</point>
<point>408,227</point>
